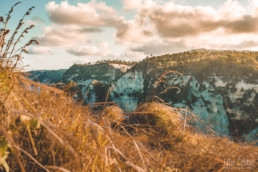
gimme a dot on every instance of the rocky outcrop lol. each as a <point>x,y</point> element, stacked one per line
<point>94,81</point>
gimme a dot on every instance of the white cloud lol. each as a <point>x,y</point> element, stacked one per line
<point>232,9</point>
<point>85,14</point>
<point>72,39</point>
<point>139,4</point>
<point>91,50</point>
<point>74,24</point>
<point>132,4</point>
<point>253,7</point>
<point>136,31</point>
<point>160,28</point>
<point>173,20</point>
<point>63,36</point>
<point>35,21</point>
<point>40,50</point>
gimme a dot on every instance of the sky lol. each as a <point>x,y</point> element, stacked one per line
<point>82,31</point>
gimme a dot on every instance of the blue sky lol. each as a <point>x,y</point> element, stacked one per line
<point>81,31</point>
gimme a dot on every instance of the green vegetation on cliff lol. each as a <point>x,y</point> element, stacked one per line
<point>122,62</point>
<point>241,58</point>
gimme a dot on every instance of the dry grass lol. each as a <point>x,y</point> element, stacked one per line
<point>184,148</point>
<point>55,131</point>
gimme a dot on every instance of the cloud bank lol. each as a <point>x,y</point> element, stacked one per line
<point>157,27</point>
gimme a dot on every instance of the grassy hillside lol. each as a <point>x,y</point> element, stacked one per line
<point>204,63</point>
<point>239,58</point>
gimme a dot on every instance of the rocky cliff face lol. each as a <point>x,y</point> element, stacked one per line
<point>94,81</point>
<point>220,87</point>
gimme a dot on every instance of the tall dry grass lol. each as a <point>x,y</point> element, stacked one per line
<point>44,129</point>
